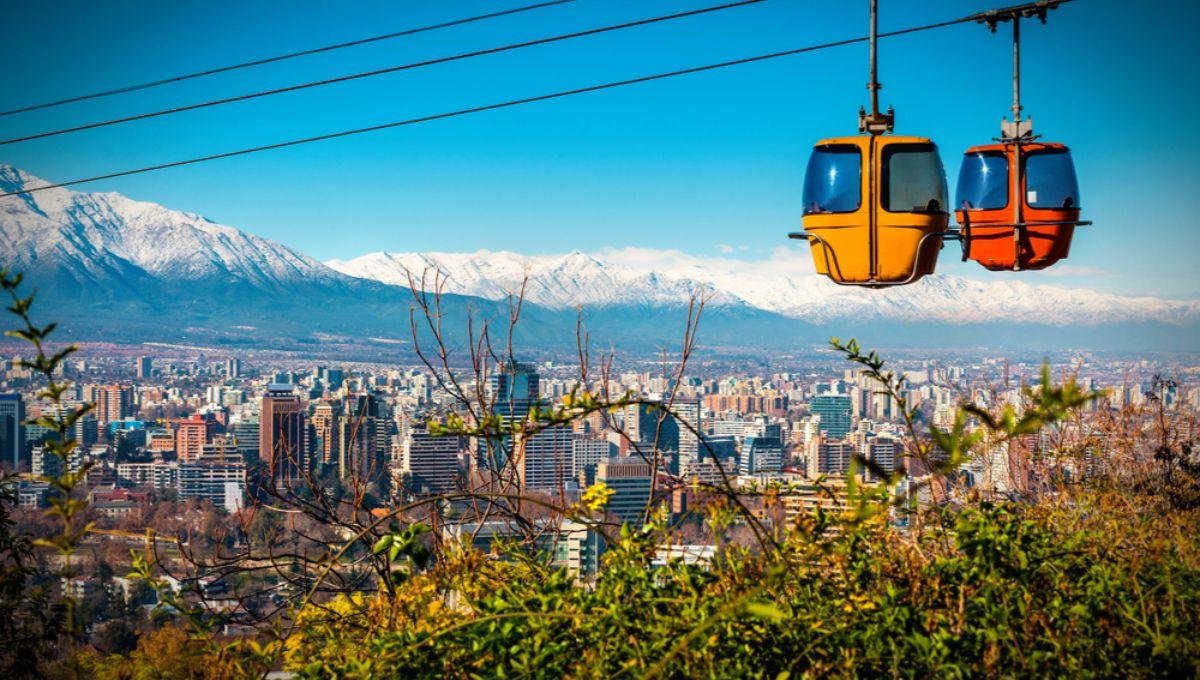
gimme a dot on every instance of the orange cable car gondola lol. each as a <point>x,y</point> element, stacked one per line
<point>1018,199</point>
<point>875,206</point>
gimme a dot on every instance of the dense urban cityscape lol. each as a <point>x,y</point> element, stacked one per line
<point>580,339</point>
<point>202,430</point>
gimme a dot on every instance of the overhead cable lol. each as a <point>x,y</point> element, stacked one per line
<point>379,72</point>
<point>281,57</point>
<point>495,106</point>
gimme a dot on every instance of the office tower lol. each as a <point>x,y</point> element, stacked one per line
<point>629,479</point>
<point>12,431</point>
<point>359,453</point>
<point>513,389</point>
<point>145,368</point>
<point>719,448</point>
<point>334,377</point>
<point>641,423</point>
<point>428,463</point>
<point>113,402</point>
<point>686,411</point>
<point>761,454</point>
<point>324,433</point>
<point>386,428</point>
<point>589,450</point>
<point>834,410</point>
<point>233,367</point>
<point>245,438</point>
<point>830,458</point>
<point>190,436</point>
<point>512,392</point>
<point>638,422</point>
<point>547,459</point>
<point>885,452</point>
<point>281,433</point>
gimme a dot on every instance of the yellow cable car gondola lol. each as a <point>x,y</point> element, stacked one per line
<point>875,208</point>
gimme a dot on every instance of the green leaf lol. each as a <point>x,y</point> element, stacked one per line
<point>382,544</point>
<point>765,610</point>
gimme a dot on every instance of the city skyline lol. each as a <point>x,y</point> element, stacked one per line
<point>581,338</point>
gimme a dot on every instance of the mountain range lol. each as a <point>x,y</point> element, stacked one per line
<point>116,269</point>
<point>784,284</point>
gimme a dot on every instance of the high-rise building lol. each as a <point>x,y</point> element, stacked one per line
<point>233,367</point>
<point>733,427</point>
<point>245,437</point>
<point>281,433</point>
<point>589,450</point>
<point>160,441</point>
<point>834,410</point>
<point>761,454</point>
<point>145,368</point>
<point>629,479</point>
<point>12,432</point>
<point>334,377</point>
<point>359,449</point>
<point>513,389</point>
<point>44,463</point>
<point>428,463</point>
<point>686,411</point>
<point>85,431</point>
<point>324,433</point>
<point>638,422</point>
<point>830,457</point>
<point>190,437</point>
<point>548,459</point>
<point>719,448</point>
<point>218,475</point>
<point>158,475</point>
<point>649,429</point>
<point>113,402</point>
<point>884,452</point>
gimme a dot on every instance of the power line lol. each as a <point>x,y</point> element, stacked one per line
<point>382,71</point>
<point>282,57</point>
<point>492,107</point>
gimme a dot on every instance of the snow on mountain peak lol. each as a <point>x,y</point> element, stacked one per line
<point>92,233</point>
<point>556,281</point>
<point>96,237</point>
<point>784,284</point>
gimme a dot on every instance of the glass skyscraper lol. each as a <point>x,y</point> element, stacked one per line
<point>12,431</point>
<point>834,410</point>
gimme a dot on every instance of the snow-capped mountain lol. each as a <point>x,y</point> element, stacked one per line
<point>555,281</point>
<point>112,268</point>
<point>103,236</point>
<point>783,284</point>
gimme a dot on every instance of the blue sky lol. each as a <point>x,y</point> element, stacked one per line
<point>703,163</point>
